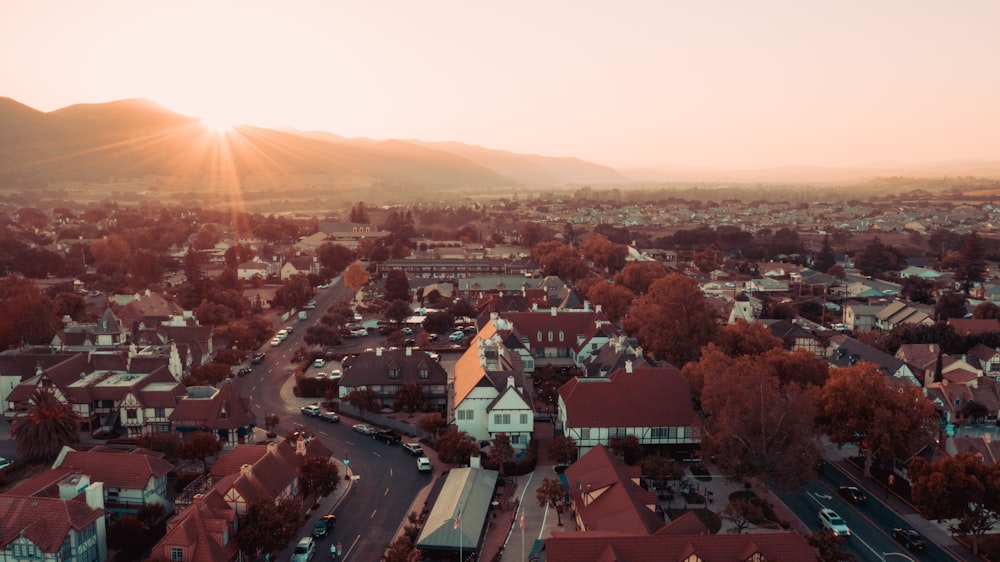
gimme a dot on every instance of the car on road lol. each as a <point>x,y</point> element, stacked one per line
<point>386,436</point>
<point>406,330</point>
<point>282,333</point>
<point>360,333</point>
<point>324,525</point>
<point>309,305</point>
<point>853,494</point>
<point>331,417</point>
<point>335,374</point>
<point>244,371</point>
<point>909,538</point>
<point>256,359</point>
<point>319,363</point>
<point>457,335</point>
<point>424,464</point>
<point>275,341</point>
<point>364,428</point>
<point>4,463</point>
<point>414,449</point>
<point>829,519</point>
<point>323,286</point>
<point>311,410</point>
<point>358,317</point>
<point>304,550</point>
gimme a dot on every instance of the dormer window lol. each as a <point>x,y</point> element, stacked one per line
<point>539,335</point>
<point>393,373</point>
<point>550,335</point>
<point>562,336</point>
<point>424,373</point>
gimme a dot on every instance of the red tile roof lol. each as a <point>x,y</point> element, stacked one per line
<point>606,497</point>
<point>646,397</point>
<point>198,530</point>
<point>207,412</point>
<point>43,521</point>
<point>604,547</point>
<point>117,469</point>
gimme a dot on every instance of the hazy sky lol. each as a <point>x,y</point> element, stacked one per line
<point>721,84</point>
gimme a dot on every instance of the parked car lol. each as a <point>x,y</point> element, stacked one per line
<point>456,336</point>
<point>853,494</point>
<point>4,463</point>
<point>244,371</point>
<point>335,374</point>
<point>311,410</point>
<point>387,436</point>
<point>909,538</point>
<point>357,317</point>
<point>330,417</point>
<point>829,519</point>
<point>319,363</point>
<point>364,428</point>
<point>360,332</point>
<point>275,341</point>
<point>414,449</point>
<point>256,360</point>
<point>406,330</point>
<point>304,550</point>
<point>324,525</point>
<point>282,334</point>
<point>424,464</point>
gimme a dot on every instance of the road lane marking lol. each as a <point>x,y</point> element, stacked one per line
<point>372,516</point>
<point>386,492</point>
<point>376,454</point>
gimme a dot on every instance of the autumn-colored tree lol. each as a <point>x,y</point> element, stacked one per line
<point>356,277</point>
<point>745,338</point>
<point>604,253</point>
<point>711,362</point>
<point>986,310</point>
<point>558,259</point>
<point>113,250</point>
<point>741,514</point>
<point>28,315</point>
<point>208,374</point>
<point>563,449</point>
<point>638,276</point>
<point>757,428</point>
<point>531,234</point>
<point>799,366</point>
<point>397,312</point>
<point>554,494</point>
<point>673,320</point>
<point>660,469</point>
<point>432,423</point>
<point>334,257</point>
<point>269,526</point>
<point>892,421</point>
<point>614,300</point>
<point>410,397</point>
<point>199,446</point>
<point>401,550</point>
<point>829,546</point>
<point>364,399</point>
<point>48,425</point>
<point>144,269</point>
<point>166,443</point>
<point>960,489</point>
<point>318,476</point>
<point>627,447</point>
<point>501,451</point>
<point>456,447</point>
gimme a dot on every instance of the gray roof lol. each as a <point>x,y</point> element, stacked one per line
<point>468,492</point>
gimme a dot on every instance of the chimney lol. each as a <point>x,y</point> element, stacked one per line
<point>246,469</point>
<point>586,306</point>
<point>95,495</point>
<point>409,351</point>
<point>510,381</point>
<point>553,310</point>
<point>628,365</point>
<point>378,352</point>
<point>534,306</point>
<point>475,462</point>
<point>597,308</point>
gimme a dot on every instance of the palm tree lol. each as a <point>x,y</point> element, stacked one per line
<point>48,425</point>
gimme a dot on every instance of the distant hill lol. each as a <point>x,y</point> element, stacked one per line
<point>818,174</point>
<point>137,138</point>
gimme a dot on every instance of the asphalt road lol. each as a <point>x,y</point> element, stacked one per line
<point>871,523</point>
<point>386,477</point>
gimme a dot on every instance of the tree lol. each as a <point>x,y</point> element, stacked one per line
<point>432,423</point>
<point>208,374</point>
<point>986,310</point>
<point>560,260</point>
<point>660,469</point>
<point>358,214</point>
<point>269,526</point>
<point>127,535</point>
<point>397,286</point>
<point>335,258</point>
<point>614,300</point>
<point>410,397</point>
<point>356,277</point>
<point>744,338</point>
<point>501,451</point>
<point>554,494</point>
<point>322,334</point>
<point>440,322</point>
<point>960,488</point>
<point>638,276</point>
<point>463,309</point>
<point>673,320</point>
<point>29,316</point>
<point>294,292</point>
<point>563,449</point>
<point>47,427</point>
<point>604,253</point>
<point>825,258</point>
<point>364,399</point>
<point>456,447</point>
<point>144,269</point>
<point>891,422</point>
<point>828,545</point>
<point>318,476</point>
<point>971,265</point>
<point>271,421</point>
<point>397,312</point>
<point>877,258</point>
<point>199,446</point>
<point>166,443</point>
<point>950,305</point>
<point>531,234</point>
<point>741,513</point>
<point>627,447</point>
<point>401,550</point>
<point>756,428</point>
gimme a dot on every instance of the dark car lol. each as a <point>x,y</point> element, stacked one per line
<point>244,371</point>
<point>386,436</point>
<point>853,494</point>
<point>258,358</point>
<point>324,526</point>
<point>330,417</point>
<point>909,538</point>
<point>414,449</point>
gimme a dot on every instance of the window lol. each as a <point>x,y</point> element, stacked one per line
<point>539,335</point>
<point>561,336</point>
<point>464,414</point>
<point>27,550</point>
<point>160,412</point>
<point>515,439</point>
<point>616,432</point>
<point>584,433</point>
<point>501,419</point>
<point>164,428</point>
<point>550,335</point>
<point>524,419</point>
<point>424,373</point>
<point>131,413</point>
<point>176,554</point>
<point>394,373</point>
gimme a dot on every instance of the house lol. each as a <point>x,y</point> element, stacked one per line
<point>561,337</point>
<point>17,366</point>
<point>607,495</point>
<point>221,411</point>
<point>489,391</point>
<point>652,404</point>
<point>985,358</point>
<point>386,371</point>
<point>846,351</point>
<point>613,356</point>
<point>974,326</point>
<point>901,314</point>
<point>109,331</point>
<point>795,337</point>
<point>67,526</point>
<point>256,268</point>
<point>131,480</point>
<point>859,318</point>
<point>926,360</point>
<point>765,285</point>
<point>203,531</point>
<point>302,265</point>
<point>458,520</point>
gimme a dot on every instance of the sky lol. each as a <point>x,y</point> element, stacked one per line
<point>663,83</point>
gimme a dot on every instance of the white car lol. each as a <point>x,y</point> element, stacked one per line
<point>424,464</point>
<point>304,550</point>
<point>319,363</point>
<point>364,428</point>
<point>456,336</point>
<point>4,463</point>
<point>829,519</point>
<point>357,317</point>
<point>312,410</point>
<point>282,334</point>
<point>275,342</point>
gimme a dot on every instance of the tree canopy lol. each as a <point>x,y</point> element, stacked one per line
<point>673,320</point>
